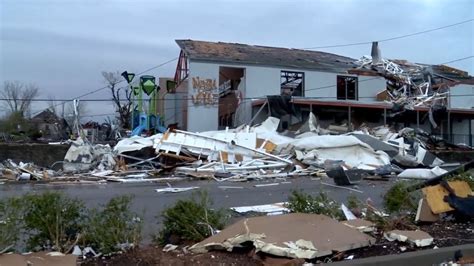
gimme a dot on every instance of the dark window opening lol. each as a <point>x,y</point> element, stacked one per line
<point>231,90</point>
<point>347,88</point>
<point>292,83</point>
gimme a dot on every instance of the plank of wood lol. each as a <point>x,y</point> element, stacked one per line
<point>435,195</point>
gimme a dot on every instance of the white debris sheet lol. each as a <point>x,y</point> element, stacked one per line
<point>355,153</point>
<point>421,173</point>
<point>175,189</point>
<point>227,147</point>
<point>269,209</point>
<point>135,143</point>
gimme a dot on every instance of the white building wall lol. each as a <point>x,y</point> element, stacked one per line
<point>369,87</point>
<point>261,81</point>
<point>462,96</point>
<point>202,117</point>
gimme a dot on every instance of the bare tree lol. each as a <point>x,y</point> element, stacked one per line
<point>17,96</point>
<point>121,96</point>
<point>54,106</point>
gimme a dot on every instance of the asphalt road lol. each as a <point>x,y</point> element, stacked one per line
<point>151,203</point>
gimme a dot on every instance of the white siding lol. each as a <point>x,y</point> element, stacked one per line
<point>462,96</point>
<point>460,130</point>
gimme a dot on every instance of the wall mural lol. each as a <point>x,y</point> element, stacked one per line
<point>205,91</point>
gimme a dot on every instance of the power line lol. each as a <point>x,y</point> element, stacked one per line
<point>456,60</point>
<point>392,38</point>
<point>105,87</point>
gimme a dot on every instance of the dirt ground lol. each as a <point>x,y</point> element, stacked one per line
<point>445,234</point>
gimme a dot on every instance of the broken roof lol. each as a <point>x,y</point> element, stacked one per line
<point>237,53</point>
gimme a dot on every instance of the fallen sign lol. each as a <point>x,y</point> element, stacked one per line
<point>305,236</point>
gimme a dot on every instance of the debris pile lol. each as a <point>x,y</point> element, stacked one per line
<point>250,153</point>
<point>409,85</point>
<point>12,171</point>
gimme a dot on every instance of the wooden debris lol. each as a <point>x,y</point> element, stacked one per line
<point>435,195</point>
<point>424,213</point>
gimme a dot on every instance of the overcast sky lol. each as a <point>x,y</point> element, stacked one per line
<point>62,46</point>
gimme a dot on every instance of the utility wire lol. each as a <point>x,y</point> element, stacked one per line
<point>105,87</point>
<point>456,60</point>
<point>392,38</point>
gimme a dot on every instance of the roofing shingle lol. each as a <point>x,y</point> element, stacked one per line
<point>237,53</point>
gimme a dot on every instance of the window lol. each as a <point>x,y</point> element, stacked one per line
<point>347,88</point>
<point>292,83</point>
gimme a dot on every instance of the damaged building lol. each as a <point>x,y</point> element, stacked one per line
<point>219,85</point>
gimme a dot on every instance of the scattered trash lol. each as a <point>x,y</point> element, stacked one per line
<point>175,189</point>
<point>269,209</point>
<point>169,247</point>
<point>266,185</point>
<point>77,251</point>
<point>363,226</point>
<point>422,173</point>
<point>347,188</point>
<point>349,215</point>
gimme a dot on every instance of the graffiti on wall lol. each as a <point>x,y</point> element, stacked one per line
<point>205,91</point>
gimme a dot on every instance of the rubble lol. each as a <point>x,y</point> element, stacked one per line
<point>418,238</point>
<point>246,154</point>
<point>38,258</point>
<point>409,85</point>
<point>310,236</point>
<point>363,226</point>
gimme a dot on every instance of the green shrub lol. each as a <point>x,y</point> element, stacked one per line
<point>320,204</point>
<point>52,221</point>
<point>190,220</point>
<point>10,222</point>
<point>353,202</point>
<point>114,225</point>
<point>398,199</point>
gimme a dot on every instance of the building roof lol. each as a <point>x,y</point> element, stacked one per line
<point>46,116</point>
<point>236,53</point>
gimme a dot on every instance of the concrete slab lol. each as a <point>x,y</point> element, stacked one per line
<point>296,235</point>
<point>37,259</point>
<point>417,237</point>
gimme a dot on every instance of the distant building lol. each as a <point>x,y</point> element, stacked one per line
<point>50,125</point>
<point>225,84</point>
